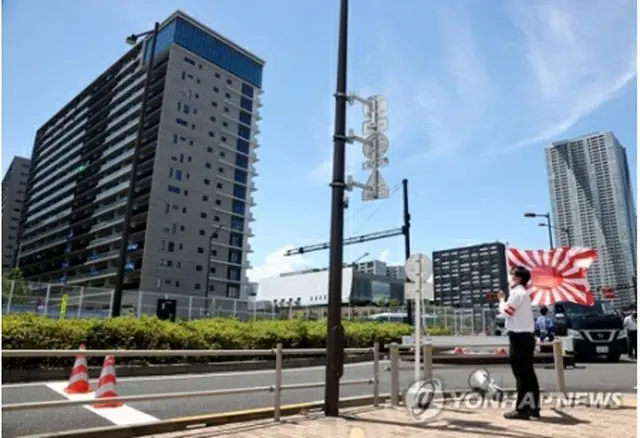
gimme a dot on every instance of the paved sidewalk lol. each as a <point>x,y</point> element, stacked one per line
<point>369,422</point>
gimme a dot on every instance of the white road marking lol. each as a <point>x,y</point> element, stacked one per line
<point>197,376</point>
<point>120,416</point>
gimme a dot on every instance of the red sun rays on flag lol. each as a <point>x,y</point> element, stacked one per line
<point>556,275</point>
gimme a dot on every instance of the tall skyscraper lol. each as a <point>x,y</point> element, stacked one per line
<point>193,194</point>
<point>593,206</point>
<point>13,192</point>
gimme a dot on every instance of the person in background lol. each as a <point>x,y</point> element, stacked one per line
<point>630,324</point>
<point>518,313</point>
<point>545,327</point>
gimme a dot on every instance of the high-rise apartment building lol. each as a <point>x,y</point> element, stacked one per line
<point>593,206</point>
<point>13,192</point>
<point>193,194</point>
<point>463,276</point>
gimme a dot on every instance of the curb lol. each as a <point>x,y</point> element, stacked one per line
<point>207,420</point>
<point>17,375</point>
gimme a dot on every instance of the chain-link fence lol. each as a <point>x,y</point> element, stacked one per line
<point>19,296</point>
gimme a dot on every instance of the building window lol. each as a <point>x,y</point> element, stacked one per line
<point>242,146</point>
<point>201,232</point>
<point>242,161</point>
<point>207,182</point>
<point>198,267</point>
<point>246,104</point>
<point>244,132</point>
<point>192,62</point>
<point>173,189</point>
<point>182,122</point>
<point>240,176</point>
<point>237,223</point>
<point>245,118</point>
<point>247,90</point>
<point>239,192</point>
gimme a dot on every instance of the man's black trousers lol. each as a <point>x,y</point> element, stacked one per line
<point>521,350</point>
<point>632,335</point>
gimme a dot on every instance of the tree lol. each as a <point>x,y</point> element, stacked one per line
<point>394,303</point>
<point>20,293</point>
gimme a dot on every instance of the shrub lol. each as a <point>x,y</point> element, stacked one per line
<point>29,331</point>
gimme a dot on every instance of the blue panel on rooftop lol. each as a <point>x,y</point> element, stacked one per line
<point>166,36</point>
<point>213,50</point>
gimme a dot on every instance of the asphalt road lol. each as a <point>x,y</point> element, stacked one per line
<point>592,377</point>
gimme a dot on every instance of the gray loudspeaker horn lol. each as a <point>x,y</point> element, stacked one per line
<point>481,382</point>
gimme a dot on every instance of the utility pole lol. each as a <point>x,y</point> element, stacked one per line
<point>406,230</point>
<point>335,330</point>
<point>128,210</point>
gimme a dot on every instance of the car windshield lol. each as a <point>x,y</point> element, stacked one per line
<point>574,309</point>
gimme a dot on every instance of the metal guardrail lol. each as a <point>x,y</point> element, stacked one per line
<point>427,361</point>
<point>279,353</point>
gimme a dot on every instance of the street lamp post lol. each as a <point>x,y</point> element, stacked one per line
<point>124,241</point>
<point>548,217</point>
<point>213,235</point>
<point>565,230</point>
<point>335,330</point>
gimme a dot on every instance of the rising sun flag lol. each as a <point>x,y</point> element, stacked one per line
<point>557,275</point>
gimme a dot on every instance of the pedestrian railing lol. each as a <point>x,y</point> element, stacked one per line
<point>277,388</point>
<point>427,363</point>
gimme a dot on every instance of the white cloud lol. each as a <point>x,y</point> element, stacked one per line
<point>277,263</point>
<point>384,256</point>
<point>530,90</point>
<point>575,67</point>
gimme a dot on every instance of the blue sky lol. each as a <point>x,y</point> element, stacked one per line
<point>475,94</point>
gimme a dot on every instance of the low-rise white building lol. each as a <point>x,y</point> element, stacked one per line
<point>310,288</point>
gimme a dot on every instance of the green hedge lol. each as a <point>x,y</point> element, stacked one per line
<point>28,331</point>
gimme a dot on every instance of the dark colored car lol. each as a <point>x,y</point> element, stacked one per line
<point>596,330</point>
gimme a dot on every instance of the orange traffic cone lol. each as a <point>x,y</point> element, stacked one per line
<point>79,379</point>
<point>107,384</point>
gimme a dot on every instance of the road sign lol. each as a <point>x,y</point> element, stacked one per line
<point>375,164</point>
<point>381,124</point>
<point>375,146</point>
<point>418,268</point>
<point>377,187</point>
<point>414,290</point>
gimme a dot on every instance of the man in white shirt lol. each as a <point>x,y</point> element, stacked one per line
<point>520,327</point>
<point>631,326</point>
